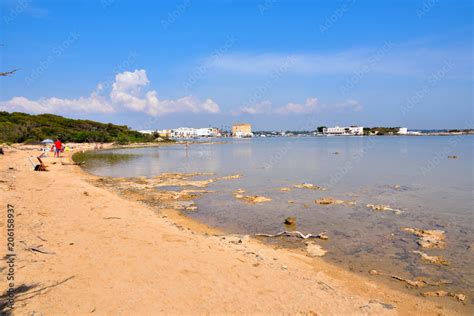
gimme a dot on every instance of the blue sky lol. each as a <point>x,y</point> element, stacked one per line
<point>276,64</point>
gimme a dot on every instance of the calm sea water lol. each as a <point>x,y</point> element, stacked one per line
<point>413,174</point>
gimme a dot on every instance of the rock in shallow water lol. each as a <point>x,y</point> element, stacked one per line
<point>383,207</point>
<point>431,259</point>
<point>290,220</point>
<point>428,238</point>
<point>238,194</point>
<point>309,186</point>
<point>459,296</point>
<point>330,201</point>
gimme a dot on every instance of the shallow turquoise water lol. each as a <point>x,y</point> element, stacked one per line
<point>413,174</point>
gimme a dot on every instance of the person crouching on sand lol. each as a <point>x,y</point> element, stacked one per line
<point>58,147</point>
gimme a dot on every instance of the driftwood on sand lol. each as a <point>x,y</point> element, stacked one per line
<point>295,234</point>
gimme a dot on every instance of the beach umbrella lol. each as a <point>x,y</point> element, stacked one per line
<point>47,141</point>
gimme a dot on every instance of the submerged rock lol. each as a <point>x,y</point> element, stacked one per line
<point>183,182</point>
<point>170,175</point>
<point>144,190</point>
<point>323,236</point>
<point>459,296</point>
<point>453,157</point>
<point>383,207</point>
<point>234,176</point>
<point>421,282</point>
<point>238,194</point>
<point>315,250</point>
<point>239,191</point>
<point>439,293</point>
<point>309,186</point>
<point>330,200</point>
<point>290,220</point>
<point>183,179</point>
<point>418,282</point>
<point>414,283</point>
<point>256,199</point>
<point>379,207</point>
<point>374,272</point>
<point>431,259</point>
<point>428,238</point>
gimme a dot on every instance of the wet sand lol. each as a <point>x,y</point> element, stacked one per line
<point>82,248</point>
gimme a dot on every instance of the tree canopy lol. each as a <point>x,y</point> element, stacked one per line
<point>19,127</point>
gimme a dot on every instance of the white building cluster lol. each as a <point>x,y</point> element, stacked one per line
<point>188,132</point>
<point>352,130</point>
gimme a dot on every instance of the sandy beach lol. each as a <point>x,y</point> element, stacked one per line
<point>83,249</point>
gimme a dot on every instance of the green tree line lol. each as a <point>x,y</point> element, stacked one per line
<point>24,128</point>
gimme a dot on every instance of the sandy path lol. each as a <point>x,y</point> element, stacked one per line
<point>119,256</point>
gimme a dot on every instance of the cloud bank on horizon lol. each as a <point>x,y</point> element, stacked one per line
<point>127,94</point>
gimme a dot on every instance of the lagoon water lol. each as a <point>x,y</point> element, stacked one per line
<point>413,174</point>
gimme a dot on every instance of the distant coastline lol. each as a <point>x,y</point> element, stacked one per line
<point>24,128</point>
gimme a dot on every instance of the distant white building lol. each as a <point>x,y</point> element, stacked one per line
<point>337,130</point>
<point>188,132</point>
<point>334,130</point>
<point>147,131</point>
<point>184,132</point>
<point>208,132</point>
<point>356,130</point>
<point>403,131</point>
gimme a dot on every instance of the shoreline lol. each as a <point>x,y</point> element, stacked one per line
<point>204,269</point>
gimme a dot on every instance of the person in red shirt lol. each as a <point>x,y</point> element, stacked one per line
<point>58,146</point>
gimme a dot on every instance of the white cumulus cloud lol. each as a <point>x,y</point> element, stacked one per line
<point>264,107</point>
<point>128,93</point>
<point>309,106</point>
<point>94,103</point>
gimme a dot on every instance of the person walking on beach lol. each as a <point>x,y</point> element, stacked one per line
<point>58,146</point>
